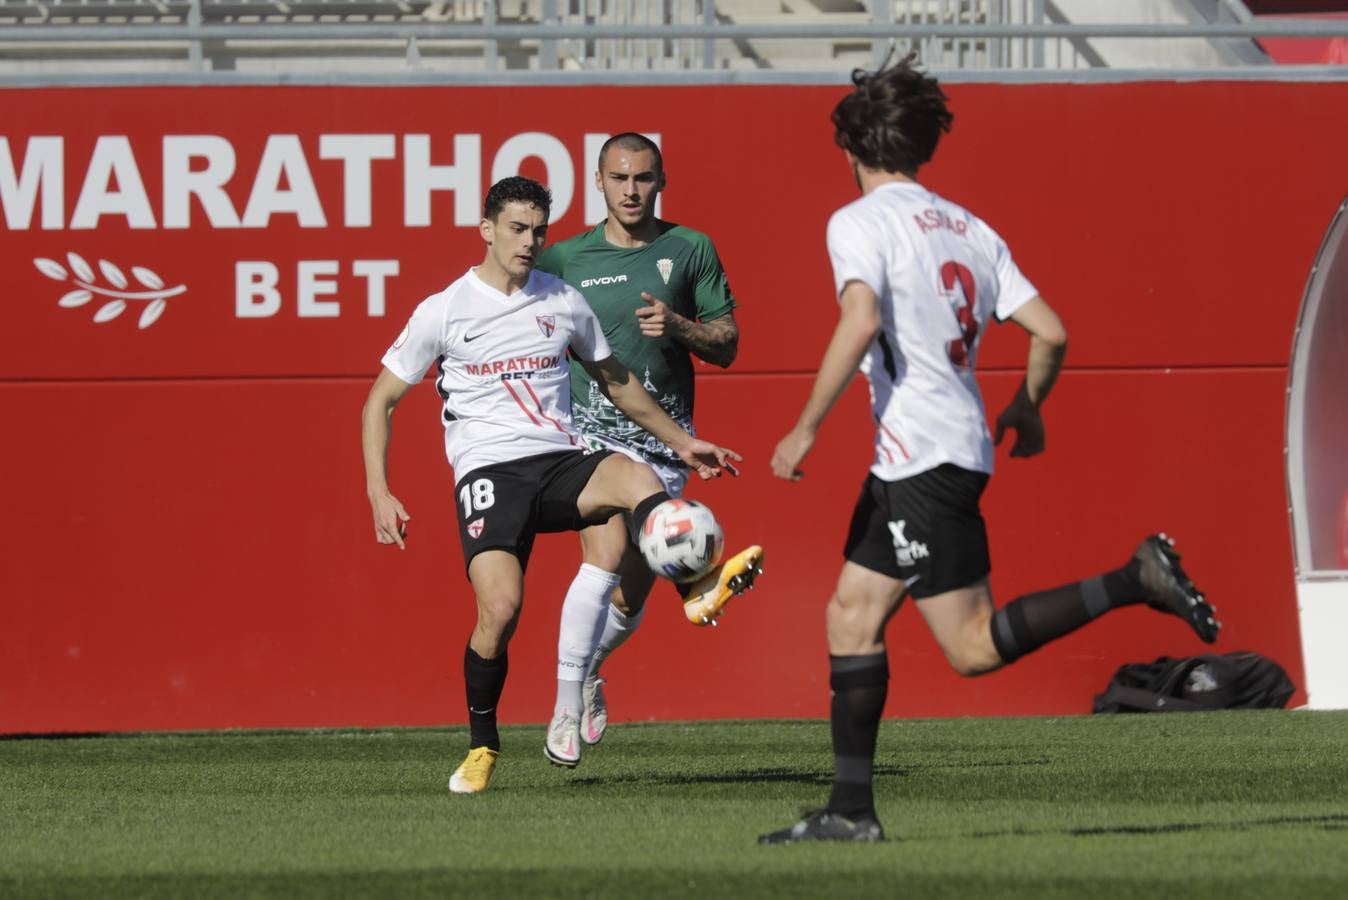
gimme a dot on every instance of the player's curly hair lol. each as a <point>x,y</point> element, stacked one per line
<point>893,118</point>
<point>516,189</point>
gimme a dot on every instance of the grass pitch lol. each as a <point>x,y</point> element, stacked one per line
<point>1221,805</point>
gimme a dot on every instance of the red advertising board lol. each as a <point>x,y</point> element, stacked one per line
<point>202,281</point>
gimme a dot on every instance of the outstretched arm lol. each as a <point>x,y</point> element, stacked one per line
<point>376,429</point>
<point>626,393</point>
<point>716,342</point>
<point>1048,346</point>
<point>857,327</point>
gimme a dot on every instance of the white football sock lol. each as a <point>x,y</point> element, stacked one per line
<point>583,622</point>
<point>618,627</point>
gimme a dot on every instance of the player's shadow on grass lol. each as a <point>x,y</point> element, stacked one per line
<point>749,776</point>
<point>53,735</point>
<point>768,775</point>
<point>1330,822</point>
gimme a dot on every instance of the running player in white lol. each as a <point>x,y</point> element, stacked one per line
<point>918,279</point>
<point>498,339</point>
<point>662,297</point>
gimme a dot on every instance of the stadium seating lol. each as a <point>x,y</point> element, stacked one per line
<point>61,37</point>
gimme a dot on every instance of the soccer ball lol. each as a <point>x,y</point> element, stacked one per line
<point>681,540</point>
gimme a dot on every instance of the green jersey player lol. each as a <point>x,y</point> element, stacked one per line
<point>662,297</point>
<point>679,266</point>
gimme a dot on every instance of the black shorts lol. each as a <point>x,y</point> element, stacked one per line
<point>925,530</point>
<point>502,506</point>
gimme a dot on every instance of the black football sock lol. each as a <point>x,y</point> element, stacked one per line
<point>860,684</point>
<point>1028,623</point>
<point>483,679</point>
<point>637,517</point>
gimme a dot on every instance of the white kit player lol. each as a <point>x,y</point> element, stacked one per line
<point>918,281</point>
<point>498,339</point>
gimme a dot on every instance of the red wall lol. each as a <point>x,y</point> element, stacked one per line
<point>187,542</point>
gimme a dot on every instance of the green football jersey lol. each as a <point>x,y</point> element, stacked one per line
<point>681,268</point>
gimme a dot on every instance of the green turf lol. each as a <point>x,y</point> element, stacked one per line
<point>1220,805</point>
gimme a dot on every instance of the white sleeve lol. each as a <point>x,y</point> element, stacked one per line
<point>1013,288</point>
<point>587,336</point>
<point>853,254</point>
<point>421,343</point>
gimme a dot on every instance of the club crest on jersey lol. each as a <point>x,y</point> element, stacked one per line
<point>666,267</point>
<point>547,325</point>
<point>475,527</point>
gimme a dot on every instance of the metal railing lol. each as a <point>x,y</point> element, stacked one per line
<point>619,53</point>
<point>60,41</point>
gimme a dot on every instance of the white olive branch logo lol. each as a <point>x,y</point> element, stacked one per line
<point>87,287</point>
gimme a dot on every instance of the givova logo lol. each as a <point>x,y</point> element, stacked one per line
<point>603,279</point>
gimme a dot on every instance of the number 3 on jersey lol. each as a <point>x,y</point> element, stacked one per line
<point>952,274</point>
<point>479,495</point>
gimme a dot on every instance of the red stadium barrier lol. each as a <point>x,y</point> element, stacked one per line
<point>202,281</point>
<point>1343,534</point>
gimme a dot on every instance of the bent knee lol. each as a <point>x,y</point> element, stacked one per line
<point>638,479</point>
<point>974,655</point>
<point>617,484</point>
<point>973,664</point>
<point>971,651</point>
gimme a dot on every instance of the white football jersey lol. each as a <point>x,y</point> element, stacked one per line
<point>941,273</point>
<point>501,365</point>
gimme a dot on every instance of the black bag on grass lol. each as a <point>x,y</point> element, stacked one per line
<point>1240,680</point>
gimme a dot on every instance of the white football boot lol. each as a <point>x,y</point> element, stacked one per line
<point>562,747</point>
<point>594,720</point>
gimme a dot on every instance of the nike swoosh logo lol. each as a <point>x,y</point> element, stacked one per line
<point>481,712</point>
<point>467,338</point>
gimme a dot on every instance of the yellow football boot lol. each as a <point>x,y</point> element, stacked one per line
<point>474,773</point>
<point>710,593</point>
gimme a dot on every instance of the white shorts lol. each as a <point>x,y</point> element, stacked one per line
<point>674,478</point>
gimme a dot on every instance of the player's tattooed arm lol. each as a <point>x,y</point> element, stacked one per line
<point>716,342</point>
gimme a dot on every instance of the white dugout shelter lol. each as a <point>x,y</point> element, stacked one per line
<point>1317,468</point>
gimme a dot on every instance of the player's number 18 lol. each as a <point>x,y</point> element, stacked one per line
<point>477,496</point>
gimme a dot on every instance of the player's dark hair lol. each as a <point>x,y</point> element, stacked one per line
<point>893,118</point>
<point>630,140</point>
<point>516,189</point>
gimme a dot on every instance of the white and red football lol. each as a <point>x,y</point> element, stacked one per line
<point>681,540</point>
